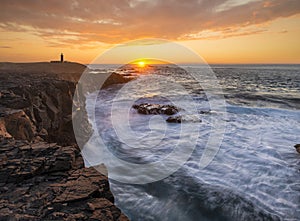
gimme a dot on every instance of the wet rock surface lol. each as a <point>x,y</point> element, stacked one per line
<point>42,175</point>
<point>147,108</point>
<point>185,118</point>
<point>297,146</point>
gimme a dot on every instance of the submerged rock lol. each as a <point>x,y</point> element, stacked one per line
<point>185,118</point>
<point>147,108</point>
<point>205,112</point>
<point>176,119</point>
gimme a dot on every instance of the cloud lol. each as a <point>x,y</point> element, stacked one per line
<point>87,21</point>
<point>225,33</point>
<point>232,3</point>
<point>5,47</point>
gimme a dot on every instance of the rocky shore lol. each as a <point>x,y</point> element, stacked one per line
<point>42,175</point>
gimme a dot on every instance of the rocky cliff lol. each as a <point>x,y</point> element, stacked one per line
<point>42,176</point>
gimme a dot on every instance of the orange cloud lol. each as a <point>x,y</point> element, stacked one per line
<point>89,22</point>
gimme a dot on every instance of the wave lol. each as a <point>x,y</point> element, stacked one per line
<point>188,200</point>
<point>254,176</point>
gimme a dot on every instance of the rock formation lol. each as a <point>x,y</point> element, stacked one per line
<point>147,108</point>
<point>45,181</point>
<point>42,175</point>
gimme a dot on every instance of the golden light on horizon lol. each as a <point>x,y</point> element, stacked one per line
<point>145,62</point>
<point>141,64</point>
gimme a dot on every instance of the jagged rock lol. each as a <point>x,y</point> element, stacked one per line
<point>147,108</point>
<point>103,209</point>
<point>18,125</point>
<point>23,161</point>
<point>43,181</point>
<point>75,186</point>
<point>44,104</point>
<point>42,174</point>
<point>45,98</point>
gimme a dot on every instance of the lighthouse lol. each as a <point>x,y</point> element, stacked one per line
<point>61,57</point>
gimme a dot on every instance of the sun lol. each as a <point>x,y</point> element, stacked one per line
<point>141,64</point>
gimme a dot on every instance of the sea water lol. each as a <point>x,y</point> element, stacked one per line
<point>255,174</point>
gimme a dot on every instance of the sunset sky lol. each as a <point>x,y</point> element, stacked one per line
<point>221,31</point>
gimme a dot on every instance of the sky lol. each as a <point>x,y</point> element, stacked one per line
<point>220,31</point>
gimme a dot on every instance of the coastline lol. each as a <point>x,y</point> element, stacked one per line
<point>42,172</point>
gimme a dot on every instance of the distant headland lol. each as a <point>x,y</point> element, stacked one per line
<point>64,70</point>
<point>42,67</point>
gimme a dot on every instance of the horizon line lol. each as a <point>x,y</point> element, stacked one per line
<point>179,63</point>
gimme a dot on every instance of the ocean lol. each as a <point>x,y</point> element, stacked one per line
<point>253,175</point>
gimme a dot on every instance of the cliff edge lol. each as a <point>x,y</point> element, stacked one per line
<point>42,175</point>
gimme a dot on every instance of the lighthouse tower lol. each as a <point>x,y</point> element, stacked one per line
<point>61,57</point>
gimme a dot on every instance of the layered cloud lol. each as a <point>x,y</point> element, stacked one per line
<point>90,22</point>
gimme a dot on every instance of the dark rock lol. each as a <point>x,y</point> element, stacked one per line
<point>103,209</point>
<point>147,108</point>
<point>46,105</point>
<point>115,78</point>
<point>185,118</point>
<point>205,112</point>
<point>27,161</point>
<point>297,146</point>
<point>45,98</point>
<point>43,133</point>
<point>42,174</point>
<point>42,181</point>
<point>176,119</point>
